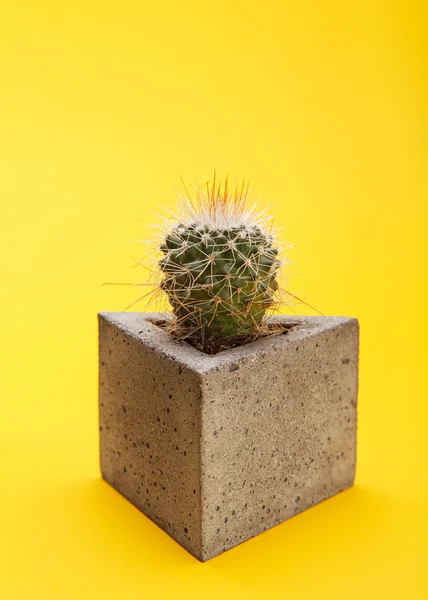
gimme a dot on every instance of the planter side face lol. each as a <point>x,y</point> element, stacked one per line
<point>149,427</point>
<point>278,430</point>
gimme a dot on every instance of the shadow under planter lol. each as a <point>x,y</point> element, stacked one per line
<point>216,449</point>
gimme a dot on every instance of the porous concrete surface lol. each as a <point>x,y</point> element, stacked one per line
<point>216,449</point>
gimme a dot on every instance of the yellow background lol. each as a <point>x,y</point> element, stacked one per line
<point>103,105</point>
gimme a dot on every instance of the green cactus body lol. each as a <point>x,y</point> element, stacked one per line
<point>220,279</point>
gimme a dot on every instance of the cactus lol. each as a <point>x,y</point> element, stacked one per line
<point>219,268</point>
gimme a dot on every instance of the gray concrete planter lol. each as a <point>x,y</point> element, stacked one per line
<point>217,449</point>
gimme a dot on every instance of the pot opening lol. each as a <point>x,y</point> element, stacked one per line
<point>212,347</point>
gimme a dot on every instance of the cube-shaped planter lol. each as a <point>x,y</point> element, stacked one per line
<point>216,449</point>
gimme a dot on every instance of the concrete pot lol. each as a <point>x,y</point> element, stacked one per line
<point>217,449</point>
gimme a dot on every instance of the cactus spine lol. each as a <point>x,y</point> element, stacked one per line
<point>219,265</point>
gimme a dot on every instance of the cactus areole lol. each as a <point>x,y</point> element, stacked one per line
<point>219,268</point>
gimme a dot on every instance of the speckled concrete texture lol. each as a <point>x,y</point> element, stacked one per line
<point>216,449</point>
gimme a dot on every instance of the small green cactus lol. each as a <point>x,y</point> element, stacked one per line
<point>219,268</point>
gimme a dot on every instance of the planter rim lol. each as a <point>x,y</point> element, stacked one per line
<point>142,327</point>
